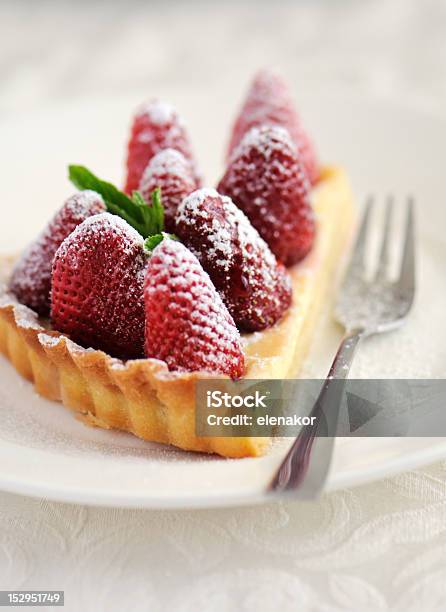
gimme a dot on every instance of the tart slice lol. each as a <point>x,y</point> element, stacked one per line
<point>120,321</point>
<point>141,395</point>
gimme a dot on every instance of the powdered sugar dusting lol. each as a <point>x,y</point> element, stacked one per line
<point>98,274</point>
<point>192,213</point>
<point>266,139</point>
<point>266,179</point>
<point>219,235</point>
<point>187,324</point>
<point>83,201</point>
<point>98,226</point>
<point>49,341</point>
<point>254,288</point>
<point>31,277</point>
<point>269,103</point>
<point>170,171</point>
<point>158,112</point>
<point>267,84</point>
<point>200,195</point>
<point>156,126</point>
<point>167,161</point>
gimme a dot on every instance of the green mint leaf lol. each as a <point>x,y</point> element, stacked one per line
<point>138,199</point>
<point>116,201</point>
<point>147,220</point>
<point>153,241</point>
<point>157,209</point>
<point>154,213</point>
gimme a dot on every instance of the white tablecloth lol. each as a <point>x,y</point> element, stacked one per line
<point>377,547</point>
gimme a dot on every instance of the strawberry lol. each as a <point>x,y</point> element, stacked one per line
<point>187,324</point>
<point>31,277</point>
<point>171,172</point>
<point>254,287</point>
<point>265,178</point>
<point>97,286</point>
<point>269,102</point>
<point>156,126</point>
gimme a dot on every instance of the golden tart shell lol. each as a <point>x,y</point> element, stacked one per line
<point>142,396</point>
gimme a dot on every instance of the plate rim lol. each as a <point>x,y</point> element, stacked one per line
<point>105,498</point>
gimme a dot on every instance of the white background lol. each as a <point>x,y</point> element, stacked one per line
<point>378,547</point>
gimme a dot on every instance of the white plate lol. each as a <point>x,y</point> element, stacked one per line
<point>44,451</point>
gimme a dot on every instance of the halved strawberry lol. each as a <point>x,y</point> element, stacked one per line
<point>170,171</point>
<point>269,102</point>
<point>266,179</point>
<point>187,324</point>
<point>31,277</point>
<point>156,126</point>
<point>254,287</point>
<point>97,286</point>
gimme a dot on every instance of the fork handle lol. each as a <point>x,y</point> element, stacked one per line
<point>340,368</point>
<point>295,467</point>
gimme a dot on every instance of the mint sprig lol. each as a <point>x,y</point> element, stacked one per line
<point>153,241</point>
<point>147,220</point>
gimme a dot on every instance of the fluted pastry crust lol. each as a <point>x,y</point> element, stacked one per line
<point>142,396</point>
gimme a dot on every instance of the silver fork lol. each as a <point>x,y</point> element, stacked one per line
<point>364,307</point>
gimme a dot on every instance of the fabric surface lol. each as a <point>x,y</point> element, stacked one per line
<point>377,547</point>
<point>381,546</point>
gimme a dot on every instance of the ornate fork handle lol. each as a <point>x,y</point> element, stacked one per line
<point>295,466</point>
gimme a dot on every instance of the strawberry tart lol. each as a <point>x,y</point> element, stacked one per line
<point>127,298</point>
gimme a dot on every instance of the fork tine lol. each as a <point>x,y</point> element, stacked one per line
<point>406,281</point>
<point>383,263</point>
<point>356,266</point>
